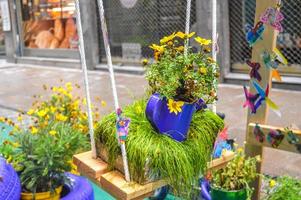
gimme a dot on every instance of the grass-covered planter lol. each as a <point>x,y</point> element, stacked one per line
<point>152,155</point>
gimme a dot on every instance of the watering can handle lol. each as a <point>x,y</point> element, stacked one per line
<point>205,190</point>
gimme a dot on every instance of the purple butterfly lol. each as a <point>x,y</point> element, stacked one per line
<point>275,138</point>
<point>254,70</point>
<point>273,17</point>
<point>259,135</point>
<point>250,100</point>
<point>122,126</point>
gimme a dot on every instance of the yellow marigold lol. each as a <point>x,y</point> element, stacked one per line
<point>52,132</point>
<point>42,113</point>
<point>175,106</point>
<point>30,111</point>
<point>183,35</point>
<point>166,39</point>
<point>202,41</point>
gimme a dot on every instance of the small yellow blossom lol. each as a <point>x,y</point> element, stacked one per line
<point>166,39</point>
<point>144,62</point>
<point>103,103</point>
<point>34,130</point>
<point>19,118</point>
<point>180,48</point>
<point>42,113</point>
<point>184,36</point>
<point>158,48</point>
<point>272,183</point>
<point>175,106</point>
<point>61,117</point>
<point>69,86</point>
<point>30,112</point>
<point>203,70</point>
<point>52,132</point>
<point>202,41</point>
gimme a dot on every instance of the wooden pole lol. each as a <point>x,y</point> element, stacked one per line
<point>268,43</point>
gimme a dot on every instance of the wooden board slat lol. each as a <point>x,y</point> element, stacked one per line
<point>115,184</point>
<point>90,167</point>
<point>221,162</point>
<point>285,145</point>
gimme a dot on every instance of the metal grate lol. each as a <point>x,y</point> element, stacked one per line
<point>144,23</point>
<point>289,41</point>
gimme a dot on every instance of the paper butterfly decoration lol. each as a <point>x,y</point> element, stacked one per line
<point>259,135</point>
<point>264,96</point>
<point>222,143</point>
<point>251,100</point>
<point>273,17</point>
<point>122,126</point>
<point>275,138</point>
<point>254,70</point>
<point>291,137</point>
<point>253,34</point>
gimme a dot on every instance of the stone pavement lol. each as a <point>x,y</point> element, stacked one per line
<point>18,83</point>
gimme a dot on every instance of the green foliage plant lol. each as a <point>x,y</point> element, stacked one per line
<point>159,156</point>
<point>181,78</point>
<point>43,158</point>
<point>284,187</point>
<point>237,175</point>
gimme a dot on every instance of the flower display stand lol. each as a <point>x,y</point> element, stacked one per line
<point>114,182</point>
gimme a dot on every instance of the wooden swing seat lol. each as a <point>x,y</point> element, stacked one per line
<point>114,183</point>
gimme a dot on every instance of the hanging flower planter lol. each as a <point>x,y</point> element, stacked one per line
<point>170,117</point>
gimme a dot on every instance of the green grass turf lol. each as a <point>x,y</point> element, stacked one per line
<point>181,163</point>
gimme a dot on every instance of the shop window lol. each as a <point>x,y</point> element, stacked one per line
<point>49,24</point>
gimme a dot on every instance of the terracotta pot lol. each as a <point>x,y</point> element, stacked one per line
<point>43,195</point>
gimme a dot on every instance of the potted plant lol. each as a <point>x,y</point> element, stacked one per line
<point>232,182</point>
<point>179,83</point>
<point>42,156</point>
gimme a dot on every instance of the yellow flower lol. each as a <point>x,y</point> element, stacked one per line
<point>144,62</point>
<point>184,36</point>
<point>166,39</point>
<point>19,118</point>
<point>202,41</point>
<point>175,106</point>
<point>203,70</point>
<point>42,113</point>
<point>52,109</point>
<point>60,117</point>
<point>272,183</point>
<point>73,168</point>
<point>34,130</point>
<point>15,144</point>
<point>157,48</point>
<point>54,89</point>
<point>240,150</point>
<point>9,159</point>
<point>30,112</point>
<point>69,86</point>
<point>52,132</point>
<point>103,103</point>
<point>180,48</point>
<point>85,101</point>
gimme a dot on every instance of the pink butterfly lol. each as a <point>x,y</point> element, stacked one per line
<point>250,100</point>
<point>254,70</point>
<point>273,17</point>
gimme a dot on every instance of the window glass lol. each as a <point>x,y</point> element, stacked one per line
<point>49,24</point>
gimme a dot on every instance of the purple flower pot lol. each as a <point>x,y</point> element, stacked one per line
<point>174,125</point>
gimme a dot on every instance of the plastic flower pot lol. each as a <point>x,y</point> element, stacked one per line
<point>211,193</point>
<point>42,195</point>
<point>173,125</point>
<point>10,186</point>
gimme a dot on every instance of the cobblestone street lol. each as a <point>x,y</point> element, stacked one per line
<point>18,84</point>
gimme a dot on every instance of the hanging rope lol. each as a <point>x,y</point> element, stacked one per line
<point>85,73</point>
<point>187,26</point>
<point>214,47</point>
<point>113,84</point>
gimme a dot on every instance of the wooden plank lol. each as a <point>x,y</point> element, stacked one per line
<point>115,184</point>
<point>92,168</point>
<point>221,162</point>
<point>285,145</point>
<point>268,43</point>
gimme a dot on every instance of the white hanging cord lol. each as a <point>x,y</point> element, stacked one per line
<point>214,47</point>
<point>85,73</point>
<point>187,25</point>
<point>113,84</point>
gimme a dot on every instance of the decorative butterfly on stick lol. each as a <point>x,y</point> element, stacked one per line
<point>222,143</point>
<point>275,138</point>
<point>254,73</point>
<point>122,126</point>
<point>251,100</point>
<point>253,34</point>
<point>258,133</point>
<point>264,96</point>
<point>272,16</point>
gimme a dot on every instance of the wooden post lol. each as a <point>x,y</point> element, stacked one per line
<point>268,43</point>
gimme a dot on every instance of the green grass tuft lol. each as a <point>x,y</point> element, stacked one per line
<point>181,163</point>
